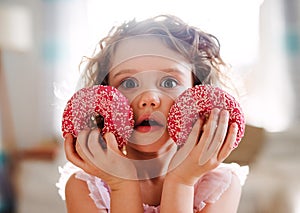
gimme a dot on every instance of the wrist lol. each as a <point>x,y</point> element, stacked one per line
<point>123,185</point>
<point>174,189</point>
<point>175,178</point>
<point>126,197</point>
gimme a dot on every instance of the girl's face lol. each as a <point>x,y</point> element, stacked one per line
<point>151,82</point>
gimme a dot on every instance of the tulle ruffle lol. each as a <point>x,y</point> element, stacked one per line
<point>208,189</point>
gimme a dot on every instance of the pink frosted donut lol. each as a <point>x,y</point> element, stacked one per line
<point>107,103</point>
<point>198,102</point>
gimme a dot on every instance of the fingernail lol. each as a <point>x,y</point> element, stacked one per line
<point>216,111</point>
<point>234,125</point>
<point>225,112</point>
<point>202,161</point>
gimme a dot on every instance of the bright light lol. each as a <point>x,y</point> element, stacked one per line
<point>297,203</point>
<point>234,22</point>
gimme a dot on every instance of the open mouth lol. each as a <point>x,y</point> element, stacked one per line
<point>147,125</point>
<point>148,122</point>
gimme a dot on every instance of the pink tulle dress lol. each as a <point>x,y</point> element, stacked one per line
<point>208,189</point>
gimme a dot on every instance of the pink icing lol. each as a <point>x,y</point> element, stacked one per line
<point>105,100</point>
<point>198,102</point>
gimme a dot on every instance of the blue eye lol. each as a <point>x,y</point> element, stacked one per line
<point>129,83</point>
<point>169,83</point>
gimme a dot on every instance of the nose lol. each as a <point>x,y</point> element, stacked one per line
<point>149,99</point>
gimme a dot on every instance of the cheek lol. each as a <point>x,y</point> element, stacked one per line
<point>174,94</point>
<point>167,103</point>
<point>130,94</point>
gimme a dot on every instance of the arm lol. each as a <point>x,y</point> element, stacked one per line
<point>77,197</point>
<point>187,166</point>
<point>181,197</point>
<point>176,196</point>
<point>126,198</point>
<point>229,201</point>
<point>122,200</point>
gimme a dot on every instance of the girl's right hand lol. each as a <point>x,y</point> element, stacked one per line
<point>106,162</point>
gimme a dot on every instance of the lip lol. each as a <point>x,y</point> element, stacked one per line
<point>149,128</point>
<point>146,129</point>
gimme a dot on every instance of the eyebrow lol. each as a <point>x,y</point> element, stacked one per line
<point>134,71</point>
<point>173,70</point>
<point>125,71</point>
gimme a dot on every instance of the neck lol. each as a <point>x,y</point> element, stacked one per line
<point>151,165</point>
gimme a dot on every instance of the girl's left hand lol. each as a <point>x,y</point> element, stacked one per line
<point>207,146</point>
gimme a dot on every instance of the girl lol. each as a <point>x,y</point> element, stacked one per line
<point>152,62</point>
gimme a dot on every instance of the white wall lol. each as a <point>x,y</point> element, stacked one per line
<point>31,76</point>
<point>271,98</point>
<point>29,85</point>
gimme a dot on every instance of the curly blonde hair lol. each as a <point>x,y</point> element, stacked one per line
<point>203,52</point>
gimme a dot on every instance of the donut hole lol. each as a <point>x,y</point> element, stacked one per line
<point>95,120</point>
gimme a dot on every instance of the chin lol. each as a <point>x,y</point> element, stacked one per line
<point>150,143</point>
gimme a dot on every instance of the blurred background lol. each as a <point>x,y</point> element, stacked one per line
<point>41,45</point>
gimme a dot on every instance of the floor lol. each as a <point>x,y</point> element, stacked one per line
<point>272,186</point>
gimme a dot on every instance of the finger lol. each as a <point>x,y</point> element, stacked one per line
<point>112,143</point>
<point>70,151</point>
<point>209,128</point>
<point>222,127</point>
<point>91,150</point>
<point>82,142</point>
<point>206,140</point>
<point>122,168</point>
<point>69,146</point>
<point>94,145</point>
<point>193,137</point>
<point>102,142</point>
<point>189,145</point>
<point>229,142</point>
<point>221,131</point>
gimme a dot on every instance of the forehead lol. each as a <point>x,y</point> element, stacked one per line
<point>138,46</point>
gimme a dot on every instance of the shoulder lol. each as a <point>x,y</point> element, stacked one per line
<point>73,184</point>
<point>220,185</point>
<point>77,193</point>
<point>233,192</point>
<point>229,200</point>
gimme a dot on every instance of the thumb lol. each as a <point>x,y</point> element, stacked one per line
<point>190,143</point>
<point>112,143</point>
